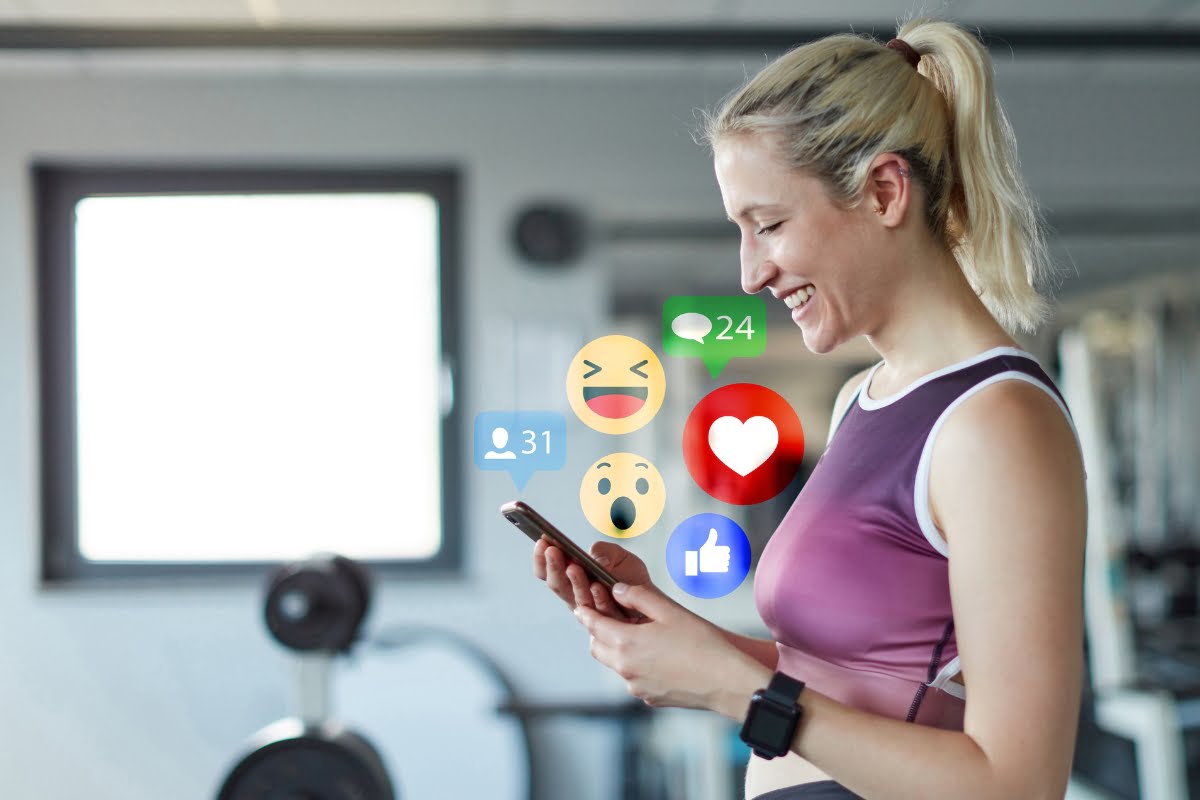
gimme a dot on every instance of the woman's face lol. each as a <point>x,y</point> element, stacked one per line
<point>795,240</point>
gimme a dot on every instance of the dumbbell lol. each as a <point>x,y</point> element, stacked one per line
<point>314,607</point>
<point>317,604</point>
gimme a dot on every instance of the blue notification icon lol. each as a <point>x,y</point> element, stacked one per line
<point>520,442</point>
<point>708,555</point>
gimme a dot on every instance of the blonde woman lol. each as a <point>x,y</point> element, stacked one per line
<point>924,591</point>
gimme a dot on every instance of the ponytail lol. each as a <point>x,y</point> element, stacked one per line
<point>836,103</point>
<point>994,225</point>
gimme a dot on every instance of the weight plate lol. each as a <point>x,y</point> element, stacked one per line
<point>291,761</point>
<point>314,605</point>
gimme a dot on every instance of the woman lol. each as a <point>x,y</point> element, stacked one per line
<point>941,536</point>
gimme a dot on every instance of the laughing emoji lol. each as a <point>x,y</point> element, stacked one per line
<point>622,495</point>
<point>615,384</point>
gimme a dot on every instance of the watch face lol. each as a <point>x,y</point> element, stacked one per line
<point>770,725</point>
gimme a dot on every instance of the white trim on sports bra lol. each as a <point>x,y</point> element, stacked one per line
<point>921,488</point>
<point>921,485</point>
<point>943,682</point>
<point>870,405</point>
<point>921,497</point>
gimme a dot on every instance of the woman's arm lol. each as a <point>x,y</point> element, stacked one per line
<point>1008,478</point>
<point>763,651</point>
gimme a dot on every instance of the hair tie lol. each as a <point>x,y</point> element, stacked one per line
<point>912,56</point>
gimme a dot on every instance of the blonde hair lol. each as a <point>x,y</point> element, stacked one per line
<point>836,103</point>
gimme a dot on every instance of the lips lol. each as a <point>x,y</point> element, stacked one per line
<point>615,402</point>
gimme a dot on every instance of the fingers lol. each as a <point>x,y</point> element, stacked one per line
<point>572,584</point>
<point>610,556</point>
<point>613,552</point>
<point>556,578</point>
<point>539,558</point>
<point>602,601</point>
<point>622,564</point>
<point>601,652</point>
<point>579,584</point>
<point>605,629</point>
<point>564,577</point>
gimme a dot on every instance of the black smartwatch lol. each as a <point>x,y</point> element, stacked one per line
<point>772,718</point>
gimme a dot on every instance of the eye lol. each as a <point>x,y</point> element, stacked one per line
<point>594,369</point>
<point>642,485</point>
<point>605,486</point>
<point>634,369</point>
<point>769,228</point>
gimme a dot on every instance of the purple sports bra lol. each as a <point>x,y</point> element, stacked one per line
<point>854,583</point>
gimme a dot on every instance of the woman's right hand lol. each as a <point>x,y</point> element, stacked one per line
<point>571,583</point>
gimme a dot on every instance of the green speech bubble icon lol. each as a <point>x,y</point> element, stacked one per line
<point>714,329</point>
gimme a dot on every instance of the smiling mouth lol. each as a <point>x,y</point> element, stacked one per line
<point>614,402</point>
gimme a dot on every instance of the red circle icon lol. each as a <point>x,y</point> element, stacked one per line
<point>743,443</point>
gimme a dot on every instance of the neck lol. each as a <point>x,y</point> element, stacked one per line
<point>935,319</point>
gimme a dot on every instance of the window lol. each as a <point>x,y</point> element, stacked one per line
<point>241,367</point>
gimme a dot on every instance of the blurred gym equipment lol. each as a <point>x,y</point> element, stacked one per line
<point>1131,376</point>
<point>314,608</point>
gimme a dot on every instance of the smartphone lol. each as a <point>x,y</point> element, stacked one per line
<point>535,526</point>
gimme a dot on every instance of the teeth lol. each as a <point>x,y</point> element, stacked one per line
<point>798,297</point>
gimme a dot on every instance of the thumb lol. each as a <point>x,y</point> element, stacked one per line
<point>712,538</point>
<point>646,599</point>
<point>608,553</point>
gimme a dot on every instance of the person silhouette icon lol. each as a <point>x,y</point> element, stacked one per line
<point>499,441</point>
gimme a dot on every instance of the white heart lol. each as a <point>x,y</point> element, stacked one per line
<point>743,447</point>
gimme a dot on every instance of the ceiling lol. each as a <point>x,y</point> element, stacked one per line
<point>585,13</point>
<point>390,37</point>
<point>72,21</point>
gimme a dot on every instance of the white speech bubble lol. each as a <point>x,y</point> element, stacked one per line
<point>691,326</point>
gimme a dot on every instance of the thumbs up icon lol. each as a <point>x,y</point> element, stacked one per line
<point>711,557</point>
<point>708,556</point>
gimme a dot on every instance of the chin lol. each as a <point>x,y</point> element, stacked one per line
<point>818,346</point>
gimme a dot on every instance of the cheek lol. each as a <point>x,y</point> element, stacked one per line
<point>798,252</point>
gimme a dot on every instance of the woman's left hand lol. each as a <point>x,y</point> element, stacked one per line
<point>673,658</point>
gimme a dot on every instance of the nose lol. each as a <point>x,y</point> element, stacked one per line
<point>757,270</point>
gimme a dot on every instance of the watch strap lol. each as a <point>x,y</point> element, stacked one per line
<point>784,689</point>
<point>780,694</point>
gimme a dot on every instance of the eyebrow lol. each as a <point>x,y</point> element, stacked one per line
<point>603,464</point>
<point>751,209</point>
<point>640,464</point>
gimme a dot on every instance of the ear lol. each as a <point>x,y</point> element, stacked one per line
<point>889,190</point>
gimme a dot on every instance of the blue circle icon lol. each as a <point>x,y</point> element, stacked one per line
<point>708,555</point>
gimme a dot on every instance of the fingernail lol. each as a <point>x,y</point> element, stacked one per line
<point>619,588</point>
<point>602,561</point>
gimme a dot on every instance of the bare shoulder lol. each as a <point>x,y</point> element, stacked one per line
<point>1004,435</point>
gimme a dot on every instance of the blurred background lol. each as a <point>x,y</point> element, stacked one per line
<point>262,262</point>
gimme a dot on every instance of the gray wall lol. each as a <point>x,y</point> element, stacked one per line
<point>142,693</point>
